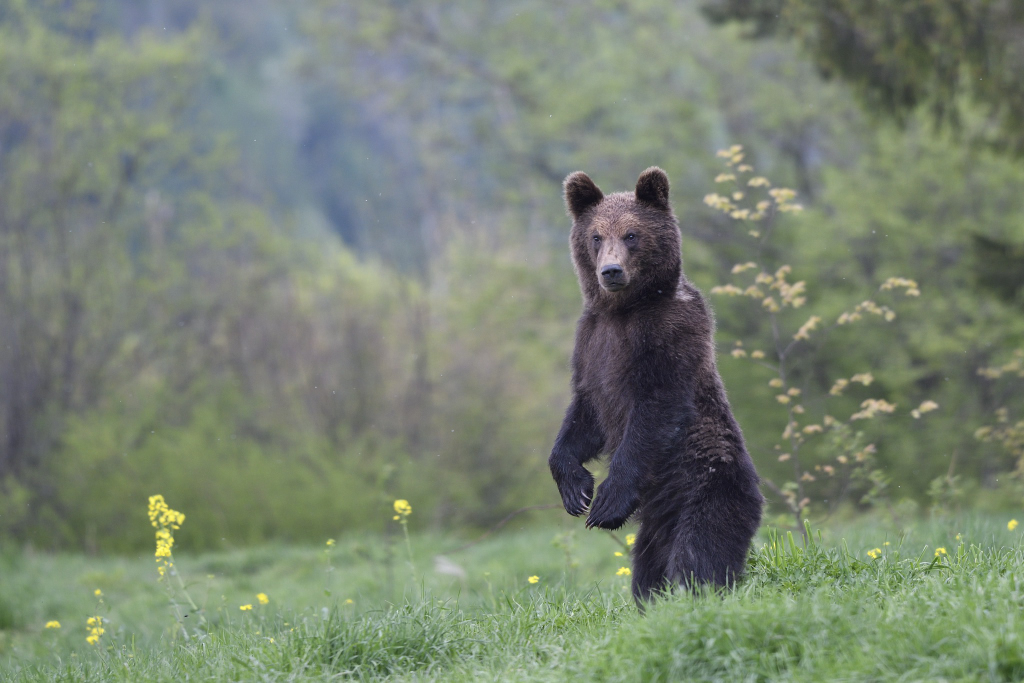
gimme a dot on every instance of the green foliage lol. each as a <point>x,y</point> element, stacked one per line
<point>294,261</point>
<point>940,56</point>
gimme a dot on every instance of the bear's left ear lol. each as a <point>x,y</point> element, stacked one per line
<point>652,188</point>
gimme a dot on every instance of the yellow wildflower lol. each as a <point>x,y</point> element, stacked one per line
<point>1011,525</point>
<point>875,553</point>
<point>630,539</point>
<point>618,553</point>
<point>775,382</point>
<point>738,353</point>
<point>724,177</point>
<point>262,597</point>
<point>757,354</point>
<point>330,542</point>
<point>98,593</point>
<point>759,181</point>
<point>245,608</point>
<point>623,571</point>
<point>53,624</point>
<point>533,579</point>
<point>349,601</point>
<point>940,551</point>
<point>783,399</point>
<point>94,625</point>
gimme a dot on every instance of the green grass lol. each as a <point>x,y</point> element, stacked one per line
<point>824,611</point>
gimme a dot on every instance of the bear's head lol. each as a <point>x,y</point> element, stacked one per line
<point>625,246</point>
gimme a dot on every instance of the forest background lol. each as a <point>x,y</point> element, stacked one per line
<point>286,262</point>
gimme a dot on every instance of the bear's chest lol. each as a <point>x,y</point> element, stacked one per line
<point>605,376</point>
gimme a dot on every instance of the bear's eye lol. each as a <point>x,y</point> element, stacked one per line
<point>630,239</point>
<point>597,238</point>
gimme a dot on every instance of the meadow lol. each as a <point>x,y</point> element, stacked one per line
<point>939,599</point>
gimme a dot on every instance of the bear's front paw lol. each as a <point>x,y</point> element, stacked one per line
<point>576,485</point>
<point>613,506</point>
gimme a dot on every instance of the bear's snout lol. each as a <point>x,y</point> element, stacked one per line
<point>613,277</point>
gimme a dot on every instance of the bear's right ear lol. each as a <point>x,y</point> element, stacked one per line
<point>580,193</point>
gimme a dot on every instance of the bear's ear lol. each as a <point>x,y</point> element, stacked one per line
<point>652,188</point>
<point>580,193</point>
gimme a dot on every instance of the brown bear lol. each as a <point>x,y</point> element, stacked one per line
<point>646,390</point>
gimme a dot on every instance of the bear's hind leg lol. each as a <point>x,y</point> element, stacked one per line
<point>650,563</point>
<point>712,541</point>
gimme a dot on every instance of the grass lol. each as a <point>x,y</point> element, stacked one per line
<point>821,611</point>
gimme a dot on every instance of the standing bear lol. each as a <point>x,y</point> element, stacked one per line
<point>646,390</point>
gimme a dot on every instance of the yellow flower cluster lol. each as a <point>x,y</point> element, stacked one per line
<point>94,625</point>
<point>403,509</point>
<point>790,294</point>
<point>875,553</point>
<point>164,542</point>
<point>166,521</point>
<point>162,516</point>
<point>871,407</point>
<point>909,286</point>
<point>262,597</point>
<point>866,307</point>
<point>623,571</point>
<point>245,608</point>
<point>805,330</point>
<point>734,154</point>
<point>939,552</point>
<point>783,198</point>
<point>740,267</point>
<point>53,624</point>
<point>730,290</point>
<point>865,378</point>
<point>630,539</point>
<point>1015,365</point>
<point>533,579</point>
<point>925,407</point>
<point>1011,525</point>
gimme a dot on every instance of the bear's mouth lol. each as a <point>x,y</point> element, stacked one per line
<point>613,286</point>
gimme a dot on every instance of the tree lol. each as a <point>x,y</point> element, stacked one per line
<point>961,60</point>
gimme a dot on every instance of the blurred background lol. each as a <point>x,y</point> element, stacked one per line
<point>284,262</point>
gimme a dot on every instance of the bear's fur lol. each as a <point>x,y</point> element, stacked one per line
<point>647,391</point>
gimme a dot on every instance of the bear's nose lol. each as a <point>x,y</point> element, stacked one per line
<point>611,272</point>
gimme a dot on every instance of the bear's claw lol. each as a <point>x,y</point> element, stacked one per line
<point>577,490</point>
<point>613,507</point>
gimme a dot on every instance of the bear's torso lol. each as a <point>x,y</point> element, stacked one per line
<point>623,354</point>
